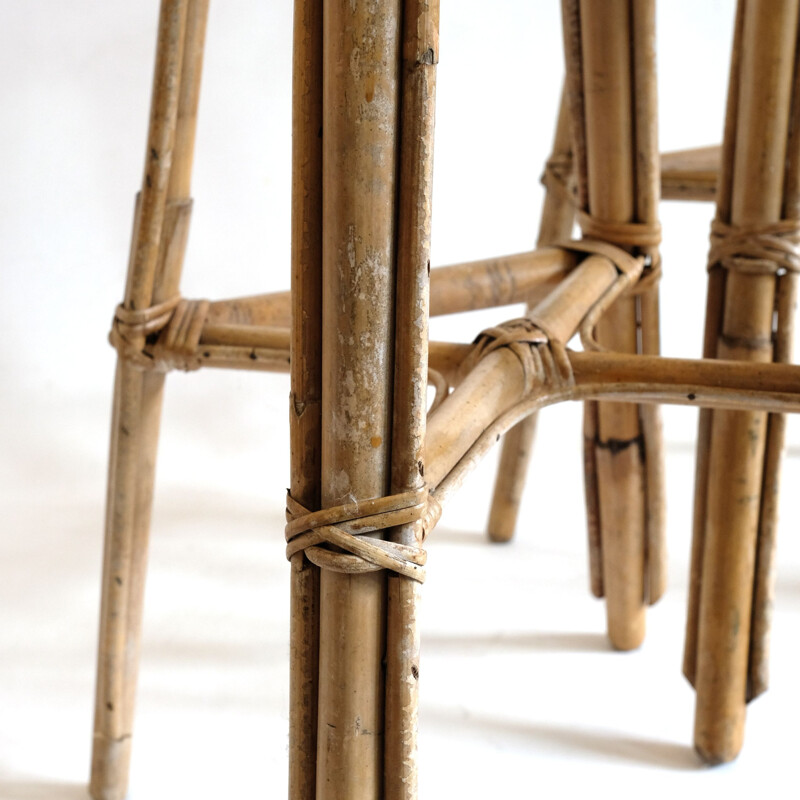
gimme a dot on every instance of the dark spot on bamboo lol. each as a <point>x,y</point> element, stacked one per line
<point>206,354</point>
<point>421,468</point>
<point>148,180</point>
<point>118,580</point>
<point>429,267</point>
<point>154,154</point>
<point>497,438</point>
<point>691,396</point>
<point>331,725</point>
<point>615,446</point>
<point>415,671</point>
<point>110,706</point>
<point>124,431</point>
<point>253,355</point>
<point>428,57</point>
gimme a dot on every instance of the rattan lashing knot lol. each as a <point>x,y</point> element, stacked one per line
<point>160,337</point>
<point>770,249</point>
<point>345,526</point>
<point>544,359</point>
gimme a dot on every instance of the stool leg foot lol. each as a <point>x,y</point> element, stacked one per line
<point>510,482</point>
<point>134,440</point>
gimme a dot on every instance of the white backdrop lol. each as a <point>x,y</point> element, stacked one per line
<point>537,691</point>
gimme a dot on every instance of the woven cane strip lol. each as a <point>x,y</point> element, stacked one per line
<point>130,327</point>
<point>344,527</point>
<point>544,361</point>
<point>755,249</point>
<point>623,234</point>
<point>178,324</point>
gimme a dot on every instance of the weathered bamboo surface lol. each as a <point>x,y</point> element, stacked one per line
<point>611,84</point>
<point>305,415</point>
<point>156,259</point>
<point>362,50</point>
<point>486,283</point>
<point>690,174</point>
<point>740,461</point>
<point>420,48</point>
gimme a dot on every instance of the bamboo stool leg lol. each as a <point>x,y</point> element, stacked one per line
<point>739,452</point>
<point>360,119</point>
<point>156,256</point>
<point>412,302</point>
<point>558,217</point>
<point>360,280</point>
<point>611,86</point>
<point>306,386</point>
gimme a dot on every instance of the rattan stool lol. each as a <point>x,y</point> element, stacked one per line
<point>371,462</point>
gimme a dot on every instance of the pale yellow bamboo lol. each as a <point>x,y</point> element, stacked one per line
<point>305,419</point>
<point>420,55</point>
<point>558,216</point>
<point>690,174</point>
<point>491,394</point>
<point>486,283</point>
<point>360,117</point>
<point>713,325</point>
<point>737,439</point>
<point>154,270</point>
<point>498,381</point>
<point>785,304</point>
<point>606,33</point>
<point>648,195</point>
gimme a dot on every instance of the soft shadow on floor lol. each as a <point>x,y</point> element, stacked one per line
<point>32,789</point>
<point>549,642</point>
<point>599,744</point>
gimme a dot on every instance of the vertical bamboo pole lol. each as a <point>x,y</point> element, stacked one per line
<point>713,325</point>
<point>607,66</point>
<point>785,303</point>
<point>738,439</point>
<point>305,422</point>
<point>153,275</point>
<point>360,119</point>
<point>648,195</point>
<point>558,216</point>
<point>420,56</point>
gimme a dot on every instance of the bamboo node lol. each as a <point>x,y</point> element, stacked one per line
<point>770,249</point>
<point>344,527</point>
<point>161,337</point>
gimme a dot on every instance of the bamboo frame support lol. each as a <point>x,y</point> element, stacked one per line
<point>486,283</point>
<point>360,117</point>
<point>611,81</point>
<point>740,463</point>
<point>558,218</point>
<point>690,174</point>
<point>156,258</point>
<point>419,58</point>
<point>305,416</point>
<point>493,394</point>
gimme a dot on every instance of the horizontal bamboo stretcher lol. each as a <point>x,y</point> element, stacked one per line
<point>575,305</point>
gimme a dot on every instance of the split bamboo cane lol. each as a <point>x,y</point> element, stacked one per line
<point>737,441</point>
<point>153,275</point>
<point>305,420</point>
<point>558,217</point>
<point>609,63</point>
<point>419,57</point>
<point>360,117</point>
